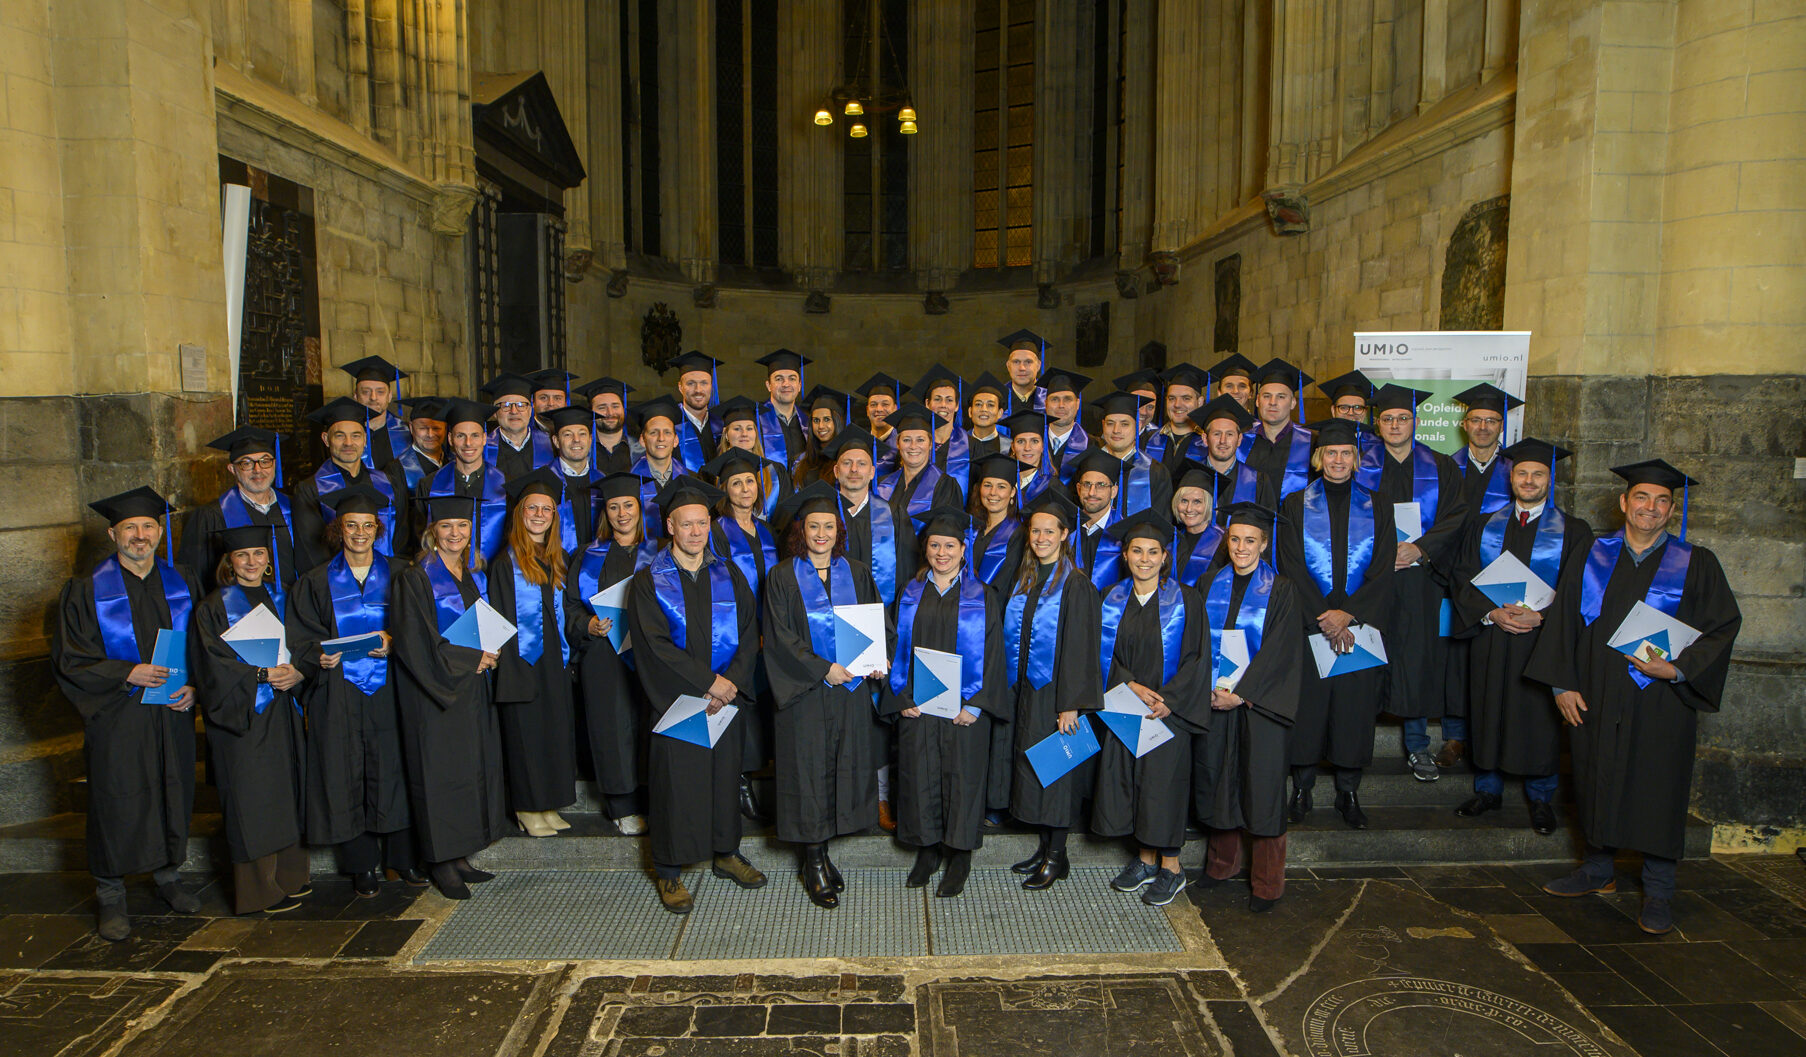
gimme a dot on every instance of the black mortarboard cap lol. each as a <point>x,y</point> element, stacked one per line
<point>1025,421</point>
<point>1054,501</point>
<point>593,389</point>
<point>880,382</point>
<point>1097,460</point>
<point>245,440</point>
<point>552,378</point>
<point>1530,449</point>
<point>948,521</point>
<point>683,489</point>
<point>695,361</point>
<point>935,378</point>
<point>575,415</point>
<point>737,408</point>
<point>358,497</point>
<point>1279,371</point>
<point>783,360</point>
<point>509,384</point>
<point>448,507</point>
<point>1334,431</point>
<point>912,416</point>
<point>816,497</point>
<point>1134,380</point>
<point>1353,383</point>
<point>619,485</point>
<point>139,502</point>
<point>1024,339</point>
<point>1193,474</point>
<point>1488,397</point>
<point>731,460</point>
<point>1232,364</point>
<point>374,369</point>
<point>850,437</point>
<point>1000,466</point>
<point>243,537</point>
<point>458,411</point>
<point>1248,512</point>
<point>1390,397</point>
<point>1653,471</point>
<point>658,407</point>
<point>1119,404</point>
<point>423,407</point>
<point>1222,407</point>
<point>339,409</point>
<point>1143,524</point>
<point>1061,380</point>
<point>1186,374</point>
<point>545,481</point>
<point>987,382</point>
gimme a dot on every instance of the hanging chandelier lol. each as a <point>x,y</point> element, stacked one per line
<point>862,96</point>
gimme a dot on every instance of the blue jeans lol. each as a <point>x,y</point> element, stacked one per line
<point>1417,731</point>
<point>1539,788</point>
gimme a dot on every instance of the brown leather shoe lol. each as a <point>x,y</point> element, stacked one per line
<point>675,897</point>
<point>1452,751</point>
<point>886,821</point>
<point>735,868</point>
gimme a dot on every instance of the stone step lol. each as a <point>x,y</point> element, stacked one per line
<point>1396,835</point>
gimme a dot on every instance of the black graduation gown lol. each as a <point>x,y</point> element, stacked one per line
<point>756,746</point>
<point>1336,716</point>
<point>859,540</point>
<point>1146,797</point>
<point>1174,451</point>
<point>1160,491</point>
<point>583,516</point>
<point>382,452</point>
<point>1513,724</point>
<point>254,759</point>
<point>943,768</point>
<point>311,548</point>
<point>826,767</point>
<point>139,758</point>
<point>538,717</point>
<point>200,551</point>
<point>693,792</point>
<point>1268,458</point>
<point>977,449</point>
<point>1075,687</point>
<point>449,732</point>
<point>614,708</point>
<point>946,493</point>
<point>1426,680</point>
<point>618,459</point>
<point>512,461</point>
<point>1222,492</point>
<point>1005,576</point>
<point>1239,765</point>
<point>356,782</point>
<point>1633,752</point>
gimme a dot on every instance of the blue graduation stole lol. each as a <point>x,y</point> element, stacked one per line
<point>1498,482</point>
<point>654,522</point>
<point>537,438</point>
<point>1245,490</point>
<point>490,525</point>
<point>923,500</point>
<point>986,564</point>
<point>724,620</point>
<point>884,548</point>
<point>1172,626</point>
<point>819,603</point>
<point>359,609</point>
<point>239,606</point>
<point>771,435</point>
<point>567,520</point>
<point>770,488</point>
<point>329,479</point>
<point>589,567</point>
<point>1298,457</point>
<point>237,514</point>
<point>1137,488</point>
<point>955,457</point>
<point>1426,483</point>
<point>744,552</point>
<point>1251,618</point>
<point>412,466</point>
<point>1106,562</point>
<point>1013,403</point>
<point>1026,493</point>
<point>968,637</point>
<point>400,439</point>
<point>1192,565</point>
<point>1156,446</point>
<point>1545,546</point>
<point>530,620</point>
<point>1317,556</point>
<point>1043,638</point>
<point>113,608</point>
<point>1077,443</point>
<point>689,440</point>
<point>1664,590</point>
<point>448,603</point>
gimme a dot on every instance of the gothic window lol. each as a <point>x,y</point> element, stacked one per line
<point>1003,161</point>
<point>746,130</point>
<point>639,126</point>
<point>876,167</point>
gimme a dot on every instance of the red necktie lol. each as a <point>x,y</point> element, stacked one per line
<point>1523,517</point>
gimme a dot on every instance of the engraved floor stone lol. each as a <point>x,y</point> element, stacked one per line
<point>75,1016</point>
<point>1154,1014</point>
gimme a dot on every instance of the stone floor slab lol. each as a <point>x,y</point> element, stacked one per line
<point>75,1016</point>
<point>1156,1013</point>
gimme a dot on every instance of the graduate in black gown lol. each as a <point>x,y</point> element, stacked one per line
<point>356,783</point>
<point>572,439</point>
<point>139,757</point>
<point>1635,722</point>
<point>1144,483</point>
<point>1404,470</point>
<point>826,780</point>
<point>994,547</point>
<point>613,706</point>
<point>1197,532</point>
<point>1336,545</point>
<point>943,760</point>
<point>1514,726</point>
<point>342,430</point>
<point>450,736</point>
<point>532,674</point>
<point>1051,632</point>
<point>1154,633</point>
<point>254,735</point>
<point>695,633</point>
<point>917,485</point>
<point>827,411</point>
<point>253,458</point>
<point>1239,775</point>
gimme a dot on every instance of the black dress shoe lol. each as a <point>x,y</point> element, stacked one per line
<point>815,880</point>
<point>1052,869</point>
<point>1301,804</point>
<point>365,884</point>
<point>1030,864</point>
<point>1258,905</point>
<point>749,804</point>
<point>1204,880</point>
<point>1479,804</point>
<point>834,878</point>
<point>1542,817</point>
<point>412,877</point>
<point>470,874</point>
<point>928,860</point>
<point>1350,806</point>
<point>953,882</point>
<point>451,885</point>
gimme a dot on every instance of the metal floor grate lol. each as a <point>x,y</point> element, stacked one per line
<point>562,915</point>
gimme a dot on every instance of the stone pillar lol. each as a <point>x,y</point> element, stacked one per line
<point>603,152</point>
<point>687,136</point>
<point>1180,102</point>
<point>810,183</point>
<point>1138,117</point>
<point>301,51</point>
<point>1059,67</point>
<point>940,156</point>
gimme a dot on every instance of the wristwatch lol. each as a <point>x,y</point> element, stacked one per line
<point>263,675</point>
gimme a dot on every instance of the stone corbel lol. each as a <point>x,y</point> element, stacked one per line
<point>1288,209</point>
<point>576,265</point>
<point>934,303</point>
<point>1128,285</point>
<point>705,295</point>
<point>452,204</point>
<point>1047,295</point>
<point>1165,266</point>
<point>815,303</point>
<point>617,283</point>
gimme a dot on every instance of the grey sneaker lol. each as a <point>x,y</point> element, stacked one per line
<point>1135,876</point>
<point>1164,889</point>
<point>1423,767</point>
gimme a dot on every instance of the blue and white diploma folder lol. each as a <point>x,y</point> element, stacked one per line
<point>1507,581</point>
<point>258,638</point>
<point>171,651</point>
<point>1053,756</point>
<point>859,638</point>
<point>1650,634</point>
<point>1407,518</point>
<point>1129,719</point>
<point>480,628</point>
<point>352,647</point>
<point>688,720</point>
<point>1232,658</point>
<point>610,604</point>
<point>937,682</point>
<point>1368,652</point>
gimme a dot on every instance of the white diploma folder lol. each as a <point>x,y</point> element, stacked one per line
<point>937,681</point>
<point>1508,582</point>
<point>1648,633</point>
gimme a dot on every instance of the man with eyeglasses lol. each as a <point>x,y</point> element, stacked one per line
<point>251,456</point>
<point>517,445</point>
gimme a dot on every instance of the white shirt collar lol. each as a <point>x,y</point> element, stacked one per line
<point>1534,511</point>
<point>580,470</point>
<point>853,511</point>
<point>262,508</point>
<point>1141,599</point>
